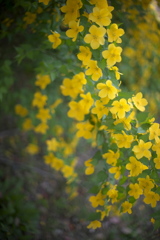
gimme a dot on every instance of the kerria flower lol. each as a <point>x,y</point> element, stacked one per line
<point>96,36</point>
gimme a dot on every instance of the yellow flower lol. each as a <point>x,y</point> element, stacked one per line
<point>116,170</point>
<point>114,33</point>
<point>135,167</point>
<point>84,55</point>
<point>80,79</point>
<point>95,224</point>
<point>29,17</point>
<point>20,110</point>
<point>55,39</point>
<point>76,111</point>
<point>139,102</point>
<point>57,164</point>
<point>93,70</point>
<point>126,121</point>
<point>135,190</point>
<point>120,108</point>
<point>49,158</point>
<point>117,74</point>
<point>156,148</point>
<point>71,10</point>
<point>112,54</point>
<point>100,110</point>
<point>52,144</point>
<point>126,207</point>
<point>151,198</point>
<point>101,4</point>
<point>90,168</point>
<point>67,171</point>
<point>111,157</point>
<point>87,101</point>
<point>70,88</point>
<point>43,114</point>
<point>97,200</point>
<point>157,162</point>
<point>123,140</point>
<point>113,195</point>
<point>42,81</point>
<point>101,16</point>
<point>32,149</point>
<point>84,129</point>
<point>74,30</point>
<point>107,90</point>
<point>146,183</point>
<point>39,100</point>
<point>27,124</point>
<point>45,2</point>
<point>41,128</point>
<point>152,220</point>
<point>154,132</point>
<point>96,36</point>
<point>142,149</point>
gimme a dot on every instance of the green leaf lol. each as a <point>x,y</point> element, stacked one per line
<point>132,200</point>
<point>100,138</point>
<point>141,117</point>
<point>94,216</point>
<point>102,176</point>
<point>125,95</point>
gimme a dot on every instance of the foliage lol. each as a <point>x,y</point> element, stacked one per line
<point>71,52</point>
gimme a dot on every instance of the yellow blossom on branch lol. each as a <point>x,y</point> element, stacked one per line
<point>55,39</point>
<point>39,100</point>
<point>42,81</point>
<point>52,144</point>
<point>95,224</point>
<point>77,110</point>
<point>97,200</point>
<point>120,108</point>
<point>27,124</point>
<point>70,88</point>
<point>114,33</point>
<point>154,132</point>
<point>93,70</point>
<point>102,17</point>
<point>84,55</point>
<point>32,149</point>
<point>135,167</point>
<point>107,90</point>
<point>89,167</point>
<point>117,171</point>
<point>139,102</point>
<point>113,54</point>
<point>29,17</point>
<point>151,198</point>
<point>123,140</point>
<point>100,110</point>
<point>71,10</point>
<point>74,30</point>
<point>157,162</point>
<point>41,128</point>
<point>146,183</point>
<point>113,194</point>
<point>43,114</point>
<point>135,190</point>
<point>111,157</point>
<point>84,129</point>
<point>142,149</point>
<point>20,110</point>
<point>87,101</point>
<point>96,36</point>
<point>126,207</point>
